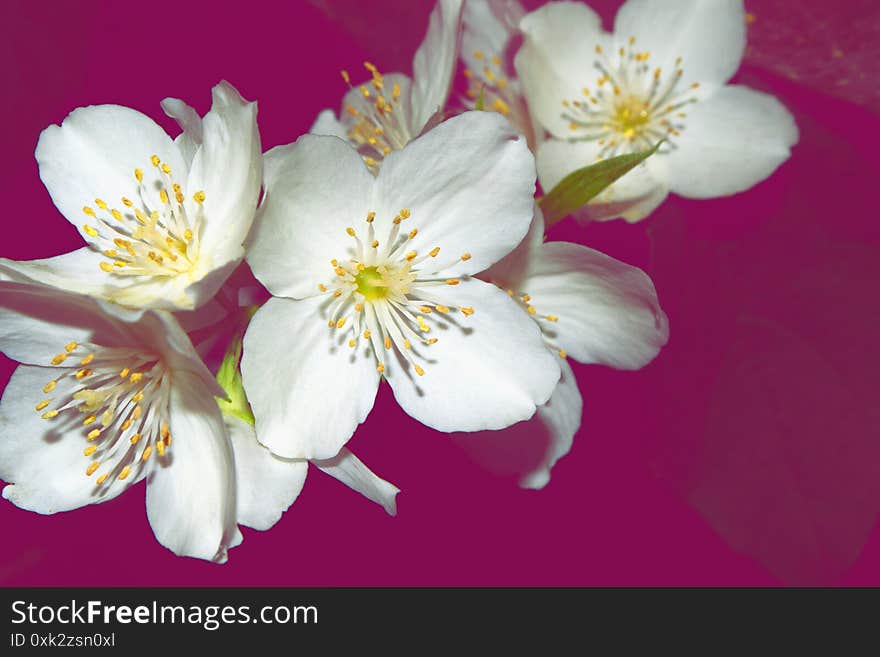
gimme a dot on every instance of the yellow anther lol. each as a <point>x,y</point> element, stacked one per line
<point>370,217</point>
<point>407,345</point>
<point>83,373</point>
<point>126,202</point>
<point>155,160</point>
<point>125,472</point>
<point>358,307</point>
<point>90,231</point>
<point>178,196</point>
<point>531,310</point>
<point>500,106</point>
<point>334,263</point>
<point>136,413</point>
<point>431,341</point>
<point>141,217</point>
<point>405,213</point>
<point>166,169</point>
<point>93,434</point>
<point>89,420</point>
<point>111,253</point>
<point>367,334</point>
<point>468,311</point>
<point>199,197</point>
<point>419,370</point>
<point>147,451</point>
<point>48,415</point>
<point>370,162</point>
<point>322,287</point>
<point>101,204</point>
<point>409,257</point>
<point>380,368</point>
<point>341,322</point>
<point>188,235</point>
<point>442,309</point>
<point>100,480</point>
<point>422,325</point>
<point>125,426</point>
<point>106,266</point>
<point>137,376</point>
<point>562,353</point>
<point>341,272</point>
<point>350,231</point>
<point>452,281</point>
<point>43,404</point>
<point>426,309</point>
<point>330,323</point>
<point>552,318</point>
<point>160,447</point>
<point>413,233</point>
<point>387,342</point>
<point>478,54</point>
<point>395,91</point>
<point>375,244</point>
<point>49,387</point>
<point>89,211</point>
<point>337,293</point>
<point>465,257</point>
<point>163,196</point>
<point>433,252</point>
<point>526,298</point>
<point>124,373</point>
<point>58,359</point>
<point>139,174</point>
<point>365,91</point>
<point>352,343</point>
<point>598,49</point>
<point>119,263</point>
<point>91,449</point>
<point>92,467</point>
<point>345,76</point>
<point>134,438</point>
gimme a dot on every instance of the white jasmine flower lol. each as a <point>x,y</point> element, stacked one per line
<point>371,278</point>
<point>105,397</point>
<point>488,31</point>
<point>387,112</point>
<point>661,75</point>
<point>591,308</point>
<point>164,220</point>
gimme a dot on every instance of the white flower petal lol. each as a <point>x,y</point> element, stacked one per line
<point>731,141</point>
<point>487,371</point>
<point>94,153</point>
<point>434,63</point>
<point>326,123</point>
<point>43,460</point>
<point>190,122</point>
<point>351,471</point>
<point>709,35</point>
<point>607,310</point>
<point>228,168</point>
<point>266,485</point>
<point>315,188</point>
<point>308,390</point>
<point>556,59</point>
<point>469,185</point>
<point>76,271</point>
<point>633,196</point>
<point>191,492</point>
<point>560,418</point>
<point>488,27</point>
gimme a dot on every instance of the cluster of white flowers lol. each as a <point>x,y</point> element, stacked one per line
<point>401,242</point>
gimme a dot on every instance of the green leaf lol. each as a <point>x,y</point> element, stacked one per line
<point>229,378</point>
<point>577,188</point>
<point>481,102</point>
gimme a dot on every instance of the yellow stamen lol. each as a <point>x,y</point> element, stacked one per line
<point>419,370</point>
<point>43,404</point>
<point>92,467</point>
<point>91,449</point>
<point>125,472</point>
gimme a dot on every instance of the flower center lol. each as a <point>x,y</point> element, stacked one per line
<point>378,125</point>
<point>384,295</point>
<point>632,107</point>
<point>123,395</point>
<point>143,240</point>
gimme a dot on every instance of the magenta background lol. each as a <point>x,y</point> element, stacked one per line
<point>745,455</point>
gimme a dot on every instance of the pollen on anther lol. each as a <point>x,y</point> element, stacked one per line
<point>433,252</point>
<point>465,257</point>
<point>404,214</point>
<point>409,257</point>
<point>48,415</point>
<point>137,376</point>
<point>91,449</point>
<point>442,309</point>
<point>147,451</point>
<point>125,472</point>
<point>387,342</point>
<point>90,230</point>
<point>552,318</point>
<point>139,175</point>
<point>100,480</point>
<point>413,233</point>
<point>467,311</point>
<point>350,231</point>
<point>419,370</point>
<point>134,439</point>
<point>43,404</point>
<point>93,434</point>
<point>367,334</point>
<point>562,353</point>
<point>92,467</point>
<point>49,387</point>
<point>380,368</point>
<point>341,322</point>
<point>452,281</point>
<point>375,244</point>
<point>70,346</point>
<point>160,447</point>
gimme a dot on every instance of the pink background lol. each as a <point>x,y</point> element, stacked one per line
<point>746,454</point>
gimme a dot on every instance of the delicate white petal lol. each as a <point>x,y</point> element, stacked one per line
<point>307,388</point>
<point>266,485</point>
<point>560,418</point>
<point>709,35</point>
<point>509,272</point>
<point>350,470</point>
<point>469,185</point>
<point>633,197</point>
<point>94,153</point>
<point>488,26</point>
<point>191,492</point>
<point>228,168</point>
<point>607,311</point>
<point>556,59</point>
<point>315,188</point>
<point>77,271</point>
<point>731,141</point>
<point>434,63</point>
<point>190,122</point>
<point>43,460</point>
<point>327,124</point>
<point>487,371</point>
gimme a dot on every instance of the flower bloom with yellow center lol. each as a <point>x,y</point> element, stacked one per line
<point>661,75</point>
<point>165,220</point>
<point>371,278</point>
<point>388,111</point>
<point>591,308</point>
